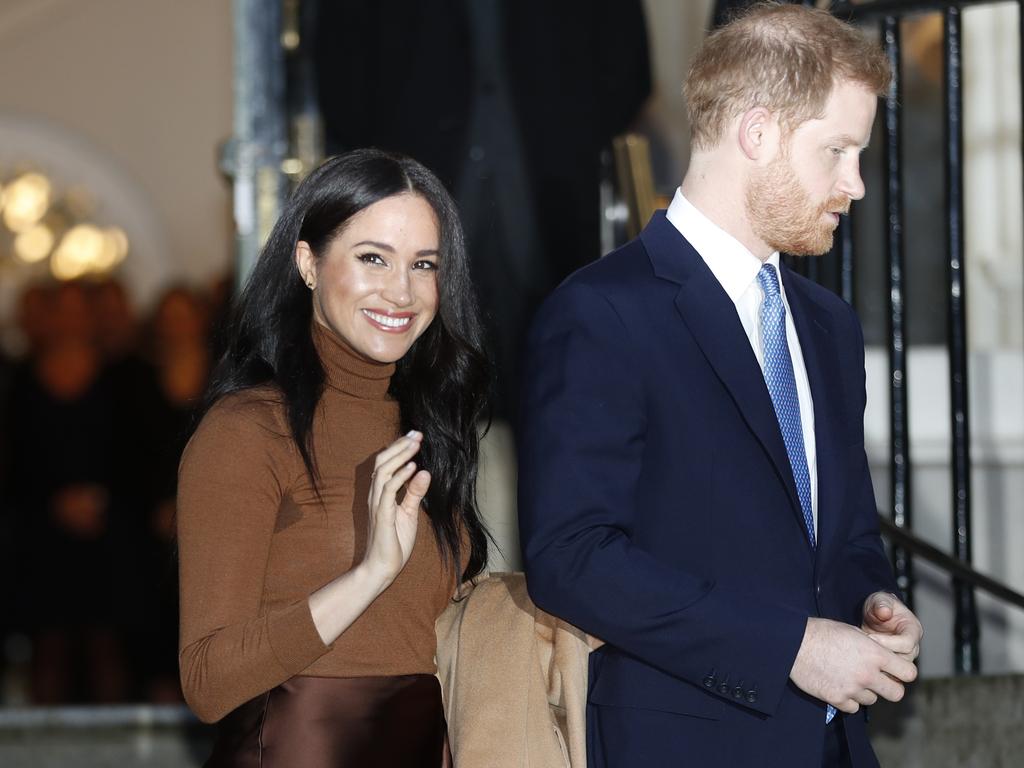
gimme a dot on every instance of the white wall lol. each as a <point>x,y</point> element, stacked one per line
<point>992,176</point>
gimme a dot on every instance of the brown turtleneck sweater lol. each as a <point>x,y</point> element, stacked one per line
<point>255,542</point>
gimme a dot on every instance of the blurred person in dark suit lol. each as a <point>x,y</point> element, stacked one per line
<point>60,475</point>
<point>32,321</point>
<point>510,103</point>
<point>178,351</point>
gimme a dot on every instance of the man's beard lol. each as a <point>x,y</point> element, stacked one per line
<point>783,216</point>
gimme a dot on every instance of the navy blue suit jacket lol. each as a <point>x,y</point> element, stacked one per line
<point>658,510</point>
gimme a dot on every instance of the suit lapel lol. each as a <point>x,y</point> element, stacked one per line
<point>712,320</point>
<point>814,328</point>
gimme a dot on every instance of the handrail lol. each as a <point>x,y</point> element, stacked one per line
<point>948,563</point>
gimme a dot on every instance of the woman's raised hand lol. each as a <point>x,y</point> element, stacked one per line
<point>392,532</point>
<point>392,525</point>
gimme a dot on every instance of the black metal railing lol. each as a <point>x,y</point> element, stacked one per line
<point>899,427</point>
<point>889,14</point>
<point>952,565</point>
<point>967,657</point>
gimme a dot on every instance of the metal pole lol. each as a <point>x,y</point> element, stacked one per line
<point>899,435</point>
<point>966,652</point>
<point>252,157</point>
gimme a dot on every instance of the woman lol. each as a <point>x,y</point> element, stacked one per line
<point>310,582</point>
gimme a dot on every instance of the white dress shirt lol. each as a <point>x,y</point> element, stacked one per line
<point>736,270</point>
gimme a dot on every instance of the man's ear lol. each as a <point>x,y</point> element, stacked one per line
<point>305,262</point>
<point>757,131</point>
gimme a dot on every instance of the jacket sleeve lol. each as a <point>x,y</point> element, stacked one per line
<point>581,449</point>
<point>232,648</point>
<point>862,566</point>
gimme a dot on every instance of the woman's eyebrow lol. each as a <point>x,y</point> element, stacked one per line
<point>391,249</point>
<point>375,244</point>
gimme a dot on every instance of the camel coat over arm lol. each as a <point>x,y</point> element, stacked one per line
<point>514,679</point>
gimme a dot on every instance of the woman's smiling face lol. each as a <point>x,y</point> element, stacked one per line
<point>375,286</point>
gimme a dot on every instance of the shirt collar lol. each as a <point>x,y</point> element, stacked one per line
<point>730,262</point>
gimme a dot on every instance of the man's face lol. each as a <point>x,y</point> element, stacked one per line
<point>794,201</point>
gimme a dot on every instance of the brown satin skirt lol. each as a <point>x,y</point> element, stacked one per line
<point>338,722</point>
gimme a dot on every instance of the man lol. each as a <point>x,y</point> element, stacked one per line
<point>693,484</point>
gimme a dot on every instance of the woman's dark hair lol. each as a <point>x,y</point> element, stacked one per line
<point>441,383</point>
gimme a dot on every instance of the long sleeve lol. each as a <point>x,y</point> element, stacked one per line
<point>232,479</point>
<point>863,567</point>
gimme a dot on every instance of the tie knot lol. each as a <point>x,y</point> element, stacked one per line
<point>769,281</point>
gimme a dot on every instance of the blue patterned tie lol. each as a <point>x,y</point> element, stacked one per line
<point>778,375</point>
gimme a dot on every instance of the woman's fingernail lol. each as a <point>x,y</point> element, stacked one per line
<point>413,434</point>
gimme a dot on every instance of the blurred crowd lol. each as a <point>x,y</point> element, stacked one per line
<point>95,413</point>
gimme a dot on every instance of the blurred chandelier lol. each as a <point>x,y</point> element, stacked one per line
<point>40,228</point>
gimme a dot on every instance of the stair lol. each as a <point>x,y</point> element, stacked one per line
<point>953,722</point>
<point>103,737</point>
<point>963,722</point>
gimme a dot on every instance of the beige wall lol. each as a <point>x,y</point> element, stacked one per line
<point>144,88</point>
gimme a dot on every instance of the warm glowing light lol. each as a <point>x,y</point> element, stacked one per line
<point>118,243</point>
<point>290,39</point>
<point>80,251</point>
<point>64,268</point>
<point>36,216</point>
<point>27,199</point>
<point>106,255</point>
<point>34,244</point>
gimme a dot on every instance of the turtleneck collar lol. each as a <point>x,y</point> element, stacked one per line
<point>346,370</point>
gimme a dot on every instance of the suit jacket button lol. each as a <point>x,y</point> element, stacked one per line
<point>709,681</point>
<point>738,692</point>
<point>751,697</point>
<point>724,689</point>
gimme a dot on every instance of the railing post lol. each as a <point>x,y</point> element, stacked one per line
<point>966,651</point>
<point>899,440</point>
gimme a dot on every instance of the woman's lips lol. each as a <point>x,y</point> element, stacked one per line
<point>389,323</point>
